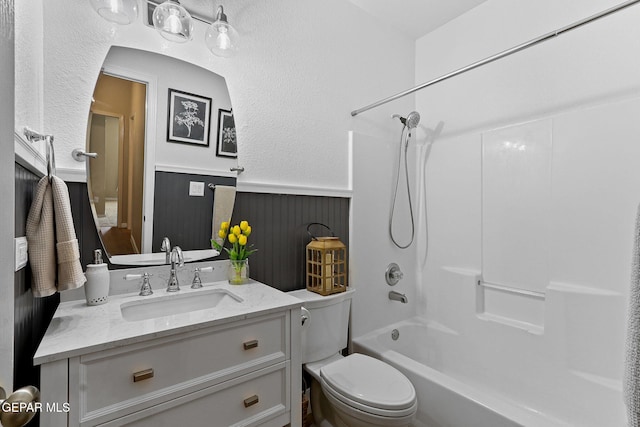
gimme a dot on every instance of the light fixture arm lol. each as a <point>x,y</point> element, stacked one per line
<point>193,15</point>
<point>220,15</point>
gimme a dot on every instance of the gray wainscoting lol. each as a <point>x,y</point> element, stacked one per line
<point>32,315</point>
<point>279,223</point>
<point>185,219</point>
<point>279,232</point>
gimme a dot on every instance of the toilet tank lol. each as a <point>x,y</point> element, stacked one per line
<point>324,334</point>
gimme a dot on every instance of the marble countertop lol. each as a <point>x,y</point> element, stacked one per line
<point>77,328</point>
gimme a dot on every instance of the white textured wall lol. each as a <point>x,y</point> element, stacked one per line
<point>303,66</point>
<point>28,64</point>
<point>582,91</point>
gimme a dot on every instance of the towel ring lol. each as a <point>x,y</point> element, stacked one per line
<point>33,136</point>
<point>51,157</point>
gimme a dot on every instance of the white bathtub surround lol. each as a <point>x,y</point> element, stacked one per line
<point>562,353</point>
<point>374,164</point>
<point>632,355</point>
<point>531,190</point>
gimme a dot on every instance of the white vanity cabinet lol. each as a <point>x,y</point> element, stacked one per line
<point>242,371</point>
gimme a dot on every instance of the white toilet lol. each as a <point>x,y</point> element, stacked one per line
<point>351,391</point>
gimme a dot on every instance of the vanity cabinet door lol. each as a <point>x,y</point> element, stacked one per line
<point>117,382</point>
<point>257,399</point>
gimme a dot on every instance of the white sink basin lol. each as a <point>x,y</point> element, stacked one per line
<point>177,304</point>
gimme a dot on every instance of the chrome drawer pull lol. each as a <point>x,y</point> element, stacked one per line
<point>250,344</point>
<point>142,375</point>
<point>250,401</point>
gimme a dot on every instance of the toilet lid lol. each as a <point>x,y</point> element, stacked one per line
<point>370,382</point>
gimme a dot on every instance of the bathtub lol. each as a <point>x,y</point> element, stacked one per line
<point>445,399</point>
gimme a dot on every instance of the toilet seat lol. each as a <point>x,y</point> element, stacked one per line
<point>369,385</point>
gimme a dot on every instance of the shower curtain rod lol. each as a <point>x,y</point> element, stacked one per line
<point>500,55</point>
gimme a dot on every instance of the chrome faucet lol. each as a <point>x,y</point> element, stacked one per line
<point>397,296</point>
<point>175,258</point>
<point>166,247</point>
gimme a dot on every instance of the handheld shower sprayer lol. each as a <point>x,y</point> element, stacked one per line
<point>411,121</point>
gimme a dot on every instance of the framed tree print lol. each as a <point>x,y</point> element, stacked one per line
<point>227,145</point>
<point>189,118</point>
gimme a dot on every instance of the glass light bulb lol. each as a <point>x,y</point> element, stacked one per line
<point>121,12</point>
<point>173,22</point>
<point>222,39</point>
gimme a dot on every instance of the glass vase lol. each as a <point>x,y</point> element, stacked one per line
<point>238,272</point>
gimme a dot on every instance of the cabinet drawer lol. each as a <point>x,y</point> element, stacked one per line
<point>134,377</point>
<point>259,398</point>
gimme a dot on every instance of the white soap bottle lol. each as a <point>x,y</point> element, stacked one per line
<point>96,289</point>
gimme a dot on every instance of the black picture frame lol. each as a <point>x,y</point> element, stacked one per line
<point>188,118</point>
<point>227,144</point>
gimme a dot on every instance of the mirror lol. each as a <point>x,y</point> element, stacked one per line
<point>161,130</point>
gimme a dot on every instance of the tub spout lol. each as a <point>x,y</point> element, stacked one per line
<point>397,296</point>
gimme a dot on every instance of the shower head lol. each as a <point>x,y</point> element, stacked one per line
<point>411,121</point>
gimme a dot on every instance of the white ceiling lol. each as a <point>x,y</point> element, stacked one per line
<point>416,17</point>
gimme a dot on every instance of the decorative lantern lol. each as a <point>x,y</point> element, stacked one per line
<point>326,264</point>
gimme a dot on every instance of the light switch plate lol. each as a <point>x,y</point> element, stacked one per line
<point>21,256</point>
<point>196,188</point>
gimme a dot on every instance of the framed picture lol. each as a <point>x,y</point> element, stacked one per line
<point>189,118</point>
<point>227,143</point>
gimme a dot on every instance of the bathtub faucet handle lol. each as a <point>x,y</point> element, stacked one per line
<point>393,274</point>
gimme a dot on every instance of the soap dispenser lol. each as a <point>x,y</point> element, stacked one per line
<point>96,289</point>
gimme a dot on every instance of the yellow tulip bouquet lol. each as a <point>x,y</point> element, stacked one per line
<point>237,236</point>
<point>239,252</point>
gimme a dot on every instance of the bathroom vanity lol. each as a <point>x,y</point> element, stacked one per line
<point>221,355</point>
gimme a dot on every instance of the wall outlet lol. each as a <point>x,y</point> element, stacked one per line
<point>21,254</point>
<point>196,188</point>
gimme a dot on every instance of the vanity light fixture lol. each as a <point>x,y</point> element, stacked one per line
<point>122,12</point>
<point>173,21</point>
<point>221,38</point>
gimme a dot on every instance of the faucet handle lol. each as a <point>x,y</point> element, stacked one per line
<point>145,289</point>
<point>197,282</point>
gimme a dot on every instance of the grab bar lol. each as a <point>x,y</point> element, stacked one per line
<point>512,290</point>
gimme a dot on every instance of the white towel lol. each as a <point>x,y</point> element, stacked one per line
<point>224,197</point>
<point>41,241</point>
<point>53,248</point>
<point>70,275</point>
<point>632,355</point>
